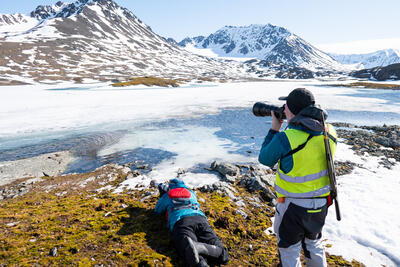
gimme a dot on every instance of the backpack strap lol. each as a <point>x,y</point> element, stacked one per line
<point>332,137</point>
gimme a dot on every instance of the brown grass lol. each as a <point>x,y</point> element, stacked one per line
<point>149,81</point>
<point>370,85</point>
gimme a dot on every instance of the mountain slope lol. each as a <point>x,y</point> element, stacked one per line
<point>97,40</point>
<point>379,58</point>
<point>15,23</point>
<point>273,44</point>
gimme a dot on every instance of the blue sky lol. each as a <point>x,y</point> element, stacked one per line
<point>316,21</point>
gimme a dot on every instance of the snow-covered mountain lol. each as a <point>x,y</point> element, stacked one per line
<point>379,58</point>
<point>275,45</point>
<point>60,9</point>
<point>6,19</point>
<point>95,40</point>
<point>16,23</point>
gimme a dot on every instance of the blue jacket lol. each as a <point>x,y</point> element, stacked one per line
<point>276,145</point>
<point>165,204</point>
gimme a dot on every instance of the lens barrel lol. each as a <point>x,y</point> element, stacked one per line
<point>261,110</point>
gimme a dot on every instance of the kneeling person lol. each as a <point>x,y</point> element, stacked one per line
<point>192,235</point>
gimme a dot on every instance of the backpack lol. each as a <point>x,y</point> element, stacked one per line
<point>180,198</point>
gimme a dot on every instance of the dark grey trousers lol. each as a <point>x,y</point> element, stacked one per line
<point>298,224</point>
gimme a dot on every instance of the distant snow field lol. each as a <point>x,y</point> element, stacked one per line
<point>369,231</point>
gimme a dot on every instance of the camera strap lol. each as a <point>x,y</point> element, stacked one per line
<point>300,147</point>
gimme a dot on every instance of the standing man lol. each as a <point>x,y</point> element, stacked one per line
<point>302,179</point>
<point>192,235</point>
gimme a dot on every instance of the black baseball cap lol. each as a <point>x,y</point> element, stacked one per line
<point>298,99</point>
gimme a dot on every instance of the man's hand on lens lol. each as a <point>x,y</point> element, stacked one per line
<point>276,123</point>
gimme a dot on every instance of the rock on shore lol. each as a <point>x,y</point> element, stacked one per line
<point>380,141</point>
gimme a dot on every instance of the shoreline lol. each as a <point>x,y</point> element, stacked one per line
<point>50,164</point>
<point>382,141</point>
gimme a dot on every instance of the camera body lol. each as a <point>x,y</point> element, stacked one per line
<point>261,110</point>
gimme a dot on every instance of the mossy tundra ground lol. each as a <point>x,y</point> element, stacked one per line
<point>77,220</point>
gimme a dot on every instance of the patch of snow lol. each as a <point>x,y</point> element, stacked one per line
<point>208,52</point>
<point>369,229</point>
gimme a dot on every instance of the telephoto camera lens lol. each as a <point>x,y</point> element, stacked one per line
<point>262,110</point>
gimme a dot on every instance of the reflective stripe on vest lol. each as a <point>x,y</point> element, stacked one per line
<point>303,179</point>
<point>319,192</point>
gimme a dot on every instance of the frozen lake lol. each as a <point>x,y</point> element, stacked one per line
<point>102,124</point>
<point>191,126</point>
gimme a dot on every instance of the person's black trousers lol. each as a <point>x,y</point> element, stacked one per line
<point>198,229</point>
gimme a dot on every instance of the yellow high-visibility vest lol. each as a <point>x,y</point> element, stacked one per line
<point>309,177</point>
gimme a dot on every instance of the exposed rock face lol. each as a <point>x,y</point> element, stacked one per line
<point>391,72</point>
<point>6,19</point>
<point>264,68</point>
<point>295,73</point>
<point>44,12</point>
<point>228,171</point>
<point>248,176</point>
<point>171,41</point>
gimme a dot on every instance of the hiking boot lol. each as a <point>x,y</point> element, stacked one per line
<point>191,252</point>
<point>207,249</point>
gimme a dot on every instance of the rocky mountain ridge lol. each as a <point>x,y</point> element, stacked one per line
<point>381,58</point>
<point>7,19</point>
<point>98,40</point>
<point>60,9</point>
<point>273,44</point>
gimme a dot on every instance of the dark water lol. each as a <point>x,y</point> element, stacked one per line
<point>83,145</point>
<point>139,156</point>
<point>70,89</point>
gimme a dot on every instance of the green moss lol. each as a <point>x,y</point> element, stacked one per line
<point>130,235</point>
<point>80,231</point>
